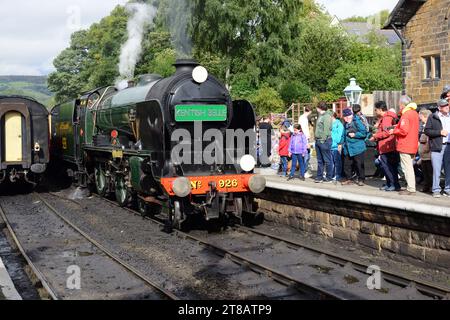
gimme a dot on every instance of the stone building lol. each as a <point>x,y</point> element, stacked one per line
<point>423,26</point>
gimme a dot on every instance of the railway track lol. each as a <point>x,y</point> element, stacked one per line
<point>165,294</point>
<point>286,280</point>
<point>37,273</point>
<point>427,288</point>
<point>431,290</point>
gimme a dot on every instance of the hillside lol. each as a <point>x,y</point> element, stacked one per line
<point>32,86</point>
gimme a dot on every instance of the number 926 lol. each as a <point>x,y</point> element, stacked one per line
<point>228,183</point>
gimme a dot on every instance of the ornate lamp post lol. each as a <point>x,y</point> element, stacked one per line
<point>353,93</point>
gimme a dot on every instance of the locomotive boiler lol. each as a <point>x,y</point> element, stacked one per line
<point>24,139</point>
<point>178,142</point>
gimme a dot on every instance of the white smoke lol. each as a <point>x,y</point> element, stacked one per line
<point>141,19</point>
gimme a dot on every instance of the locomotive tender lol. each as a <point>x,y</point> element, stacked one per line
<point>24,139</point>
<point>128,142</point>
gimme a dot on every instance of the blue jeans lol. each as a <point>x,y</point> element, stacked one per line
<point>324,159</point>
<point>284,164</point>
<point>296,157</point>
<point>389,163</point>
<point>337,164</point>
<point>438,159</point>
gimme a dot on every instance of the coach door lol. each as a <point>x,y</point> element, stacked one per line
<point>13,137</point>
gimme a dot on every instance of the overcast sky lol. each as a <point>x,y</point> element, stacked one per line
<point>348,8</point>
<point>33,32</point>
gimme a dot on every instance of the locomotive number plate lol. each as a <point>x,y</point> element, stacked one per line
<point>228,183</point>
<point>189,113</point>
<point>202,185</point>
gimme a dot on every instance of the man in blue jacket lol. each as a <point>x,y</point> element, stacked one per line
<point>337,137</point>
<point>354,147</point>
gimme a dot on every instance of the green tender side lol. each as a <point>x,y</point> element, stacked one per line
<point>192,112</point>
<point>65,130</point>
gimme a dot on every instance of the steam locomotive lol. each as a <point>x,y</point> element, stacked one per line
<point>24,139</point>
<point>128,143</point>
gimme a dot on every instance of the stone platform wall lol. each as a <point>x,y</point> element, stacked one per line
<point>418,236</point>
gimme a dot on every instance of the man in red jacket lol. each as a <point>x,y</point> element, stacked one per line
<point>389,157</point>
<point>407,136</point>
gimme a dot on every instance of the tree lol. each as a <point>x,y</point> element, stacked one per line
<point>375,68</point>
<point>321,51</point>
<point>294,91</point>
<point>258,30</point>
<point>267,100</point>
<point>67,81</point>
<point>91,59</point>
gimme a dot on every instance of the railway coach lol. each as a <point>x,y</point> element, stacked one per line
<point>24,139</point>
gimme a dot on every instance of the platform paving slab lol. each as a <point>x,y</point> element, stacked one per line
<point>7,289</point>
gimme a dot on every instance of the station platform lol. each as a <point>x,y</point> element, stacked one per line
<point>369,194</point>
<point>7,289</point>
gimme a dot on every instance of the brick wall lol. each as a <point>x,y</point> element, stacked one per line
<point>429,32</point>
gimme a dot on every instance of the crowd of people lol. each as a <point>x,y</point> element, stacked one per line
<point>405,141</point>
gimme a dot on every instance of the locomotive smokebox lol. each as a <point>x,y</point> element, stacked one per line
<point>185,65</point>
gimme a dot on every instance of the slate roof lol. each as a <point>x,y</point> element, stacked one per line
<point>362,29</point>
<point>403,12</point>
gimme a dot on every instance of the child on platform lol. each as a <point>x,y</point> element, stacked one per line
<point>298,149</point>
<point>283,149</point>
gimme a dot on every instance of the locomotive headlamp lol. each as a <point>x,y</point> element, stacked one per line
<point>257,184</point>
<point>182,187</point>
<point>247,163</point>
<point>200,74</point>
<point>37,147</point>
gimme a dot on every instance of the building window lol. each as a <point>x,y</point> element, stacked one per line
<point>432,67</point>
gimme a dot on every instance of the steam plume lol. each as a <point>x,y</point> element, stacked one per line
<point>141,19</point>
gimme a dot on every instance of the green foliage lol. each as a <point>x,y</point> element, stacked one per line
<point>375,68</point>
<point>91,59</point>
<point>163,63</point>
<point>293,91</point>
<point>321,51</point>
<point>267,100</point>
<point>327,96</point>
<point>270,52</point>
<point>378,19</point>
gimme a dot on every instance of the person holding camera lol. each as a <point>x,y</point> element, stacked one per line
<point>389,157</point>
<point>354,148</point>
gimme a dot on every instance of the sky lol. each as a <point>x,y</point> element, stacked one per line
<point>34,32</point>
<point>348,8</point>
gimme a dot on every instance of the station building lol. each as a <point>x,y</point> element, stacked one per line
<point>423,26</point>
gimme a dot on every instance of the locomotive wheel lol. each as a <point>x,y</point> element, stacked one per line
<point>142,207</point>
<point>122,194</point>
<point>100,181</point>
<point>148,209</point>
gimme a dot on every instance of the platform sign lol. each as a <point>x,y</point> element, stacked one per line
<point>189,113</point>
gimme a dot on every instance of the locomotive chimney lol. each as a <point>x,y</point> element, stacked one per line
<point>185,65</point>
<point>130,83</point>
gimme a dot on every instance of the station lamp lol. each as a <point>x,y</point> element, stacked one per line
<point>353,93</point>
